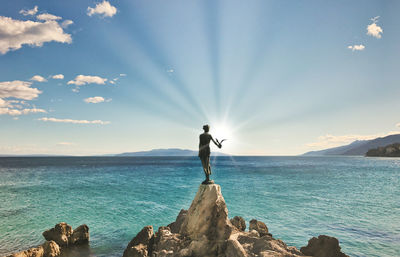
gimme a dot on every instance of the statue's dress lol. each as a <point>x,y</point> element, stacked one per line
<point>204,152</point>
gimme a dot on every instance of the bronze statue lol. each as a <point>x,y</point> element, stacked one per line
<point>204,152</point>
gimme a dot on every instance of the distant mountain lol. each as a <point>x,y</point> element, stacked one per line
<point>168,152</point>
<point>392,150</point>
<point>359,147</point>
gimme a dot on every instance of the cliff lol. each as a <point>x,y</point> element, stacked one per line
<point>205,230</point>
<point>392,150</point>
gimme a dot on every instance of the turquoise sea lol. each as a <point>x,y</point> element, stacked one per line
<point>355,199</point>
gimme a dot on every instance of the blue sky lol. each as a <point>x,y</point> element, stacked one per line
<point>274,77</point>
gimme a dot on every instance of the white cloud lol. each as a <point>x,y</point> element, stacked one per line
<point>8,111</point>
<point>66,23</point>
<point>48,17</point>
<point>94,100</point>
<point>29,12</point>
<point>18,89</point>
<point>122,75</point>
<point>328,141</point>
<point>3,103</point>
<point>38,78</point>
<point>373,29</point>
<point>15,33</point>
<point>33,110</point>
<point>112,81</point>
<point>83,80</point>
<point>75,121</point>
<point>15,112</point>
<point>170,70</point>
<point>356,47</point>
<point>58,76</point>
<point>104,8</point>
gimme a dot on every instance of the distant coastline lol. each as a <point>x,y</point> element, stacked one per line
<point>357,148</point>
<point>177,152</point>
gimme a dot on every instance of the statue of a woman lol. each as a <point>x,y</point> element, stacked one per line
<point>204,152</point>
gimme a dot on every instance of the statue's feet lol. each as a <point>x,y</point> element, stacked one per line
<point>207,182</point>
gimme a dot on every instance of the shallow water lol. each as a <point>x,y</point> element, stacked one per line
<point>355,199</point>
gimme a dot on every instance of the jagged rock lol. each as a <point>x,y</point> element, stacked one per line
<point>177,224</point>
<point>80,235</point>
<point>33,252</point>
<point>48,249</point>
<point>51,249</point>
<point>205,231</point>
<point>64,235</point>
<point>323,246</point>
<point>259,226</point>
<point>239,223</point>
<point>166,243</point>
<point>207,221</point>
<point>140,244</point>
<point>235,249</point>
<point>60,234</point>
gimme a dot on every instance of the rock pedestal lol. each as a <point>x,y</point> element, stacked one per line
<point>205,231</point>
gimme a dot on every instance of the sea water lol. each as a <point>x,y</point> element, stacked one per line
<point>355,199</point>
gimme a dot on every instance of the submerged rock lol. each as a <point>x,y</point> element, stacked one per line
<point>323,246</point>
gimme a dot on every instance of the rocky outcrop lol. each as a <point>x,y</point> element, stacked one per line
<point>177,224</point>
<point>323,246</point>
<point>60,233</point>
<point>64,235</point>
<point>239,223</point>
<point>140,244</point>
<point>48,249</point>
<point>204,230</point>
<point>80,235</point>
<point>260,227</point>
<point>58,239</point>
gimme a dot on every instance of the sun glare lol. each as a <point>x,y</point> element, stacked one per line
<point>222,131</point>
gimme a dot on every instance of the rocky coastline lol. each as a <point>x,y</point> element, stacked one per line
<point>58,241</point>
<point>204,230</point>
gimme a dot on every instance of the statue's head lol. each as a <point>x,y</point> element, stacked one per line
<point>206,128</point>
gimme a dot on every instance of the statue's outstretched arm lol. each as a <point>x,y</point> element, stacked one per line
<point>216,142</point>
